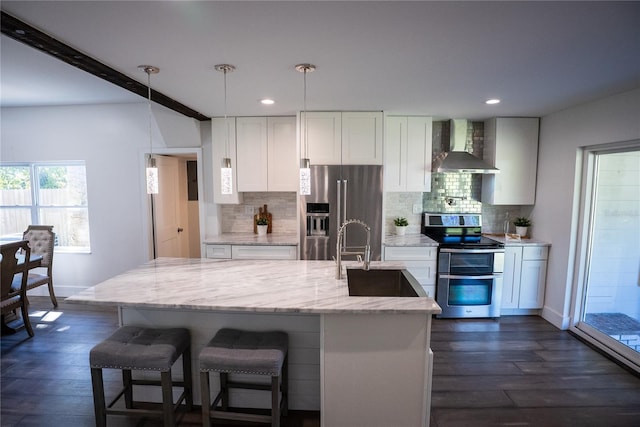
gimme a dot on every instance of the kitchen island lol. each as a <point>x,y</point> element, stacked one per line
<point>359,360</point>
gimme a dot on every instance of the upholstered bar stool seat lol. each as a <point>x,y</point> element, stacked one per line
<point>233,351</point>
<point>133,348</point>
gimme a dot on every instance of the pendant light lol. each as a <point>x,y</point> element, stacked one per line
<point>226,173</point>
<point>305,170</point>
<point>152,170</point>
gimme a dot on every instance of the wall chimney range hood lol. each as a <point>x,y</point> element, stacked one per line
<point>457,159</point>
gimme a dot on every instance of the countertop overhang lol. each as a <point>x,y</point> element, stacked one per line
<point>245,286</point>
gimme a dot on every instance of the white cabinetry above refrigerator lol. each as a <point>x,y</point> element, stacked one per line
<point>349,138</point>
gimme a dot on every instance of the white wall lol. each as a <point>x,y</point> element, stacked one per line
<point>612,119</point>
<point>111,139</point>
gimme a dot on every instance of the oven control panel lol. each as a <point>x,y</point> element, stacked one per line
<point>452,220</point>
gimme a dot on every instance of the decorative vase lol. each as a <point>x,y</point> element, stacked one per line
<point>522,231</point>
<point>262,230</point>
<point>401,230</point>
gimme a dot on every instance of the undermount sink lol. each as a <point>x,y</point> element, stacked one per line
<point>383,283</point>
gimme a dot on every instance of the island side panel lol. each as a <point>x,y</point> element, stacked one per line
<point>304,350</point>
<point>375,370</point>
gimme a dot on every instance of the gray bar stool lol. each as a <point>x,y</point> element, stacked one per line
<point>233,351</point>
<point>142,349</point>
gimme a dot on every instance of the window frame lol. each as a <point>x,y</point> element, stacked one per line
<point>35,207</point>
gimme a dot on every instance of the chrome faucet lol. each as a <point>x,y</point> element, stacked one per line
<point>364,256</point>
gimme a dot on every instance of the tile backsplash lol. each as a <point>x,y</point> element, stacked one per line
<point>239,218</point>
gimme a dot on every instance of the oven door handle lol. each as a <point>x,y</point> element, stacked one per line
<point>472,251</point>
<point>453,276</point>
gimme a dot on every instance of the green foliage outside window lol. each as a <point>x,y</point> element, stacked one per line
<point>14,178</point>
<point>53,177</point>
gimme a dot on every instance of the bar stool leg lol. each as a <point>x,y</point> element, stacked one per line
<point>224,388</point>
<point>205,396</point>
<point>275,401</point>
<point>167,398</point>
<point>99,404</point>
<point>285,386</point>
<point>128,388</point>
<point>187,378</point>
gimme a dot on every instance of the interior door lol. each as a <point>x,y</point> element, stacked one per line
<point>167,208</point>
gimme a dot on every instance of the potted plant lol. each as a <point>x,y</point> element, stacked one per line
<point>263,225</point>
<point>522,225</point>
<point>401,224</point>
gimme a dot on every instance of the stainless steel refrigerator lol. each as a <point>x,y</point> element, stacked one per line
<point>339,193</point>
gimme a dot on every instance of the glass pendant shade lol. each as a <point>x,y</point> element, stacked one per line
<point>152,177</point>
<point>226,176</point>
<point>305,177</point>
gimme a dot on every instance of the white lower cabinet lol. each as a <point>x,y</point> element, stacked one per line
<point>420,261</point>
<point>525,272</point>
<point>251,251</point>
<point>263,252</point>
<point>218,251</point>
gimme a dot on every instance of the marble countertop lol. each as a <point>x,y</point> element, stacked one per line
<point>522,242</point>
<point>271,239</point>
<point>409,240</point>
<point>245,286</point>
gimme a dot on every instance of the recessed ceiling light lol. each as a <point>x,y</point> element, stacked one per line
<point>267,101</point>
<point>492,101</point>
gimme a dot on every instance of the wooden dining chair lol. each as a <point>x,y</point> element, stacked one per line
<point>13,298</point>
<point>42,240</point>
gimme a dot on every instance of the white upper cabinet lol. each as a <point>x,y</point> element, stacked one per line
<point>251,146</point>
<point>219,142</point>
<point>407,158</point>
<point>362,138</point>
<point>350,138</point>
<point>511,145</point>
<point>266,154</point>
<point>323,133</point>
<point>283,164</point>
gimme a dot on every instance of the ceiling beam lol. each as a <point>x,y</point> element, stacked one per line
<point>18,30</point>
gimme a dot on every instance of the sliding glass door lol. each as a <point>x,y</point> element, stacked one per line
<point>608,300</point>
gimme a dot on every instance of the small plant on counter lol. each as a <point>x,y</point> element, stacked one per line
<point>401,222</point>
<point>262,221</point>
<point>522,221</point>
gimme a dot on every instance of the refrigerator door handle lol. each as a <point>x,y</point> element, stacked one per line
<point>339,206</point>
<point>344,212</point>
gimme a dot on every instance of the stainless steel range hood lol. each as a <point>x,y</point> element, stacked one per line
<point>457,159</point>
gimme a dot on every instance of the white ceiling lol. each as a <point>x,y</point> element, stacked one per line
<point>437,58</point>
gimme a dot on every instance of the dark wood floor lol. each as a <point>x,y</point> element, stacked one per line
<point>522,371</point>
<point>518,371</point>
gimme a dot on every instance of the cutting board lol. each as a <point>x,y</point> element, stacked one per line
<point>262,213</point>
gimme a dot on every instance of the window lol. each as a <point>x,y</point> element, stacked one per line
<point>45,193</point>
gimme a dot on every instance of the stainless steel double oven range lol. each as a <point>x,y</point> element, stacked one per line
<point>470,266</point>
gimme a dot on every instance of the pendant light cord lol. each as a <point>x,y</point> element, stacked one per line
<point>226,124</point>
<point>306,118</point>
<point>149,114</point>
